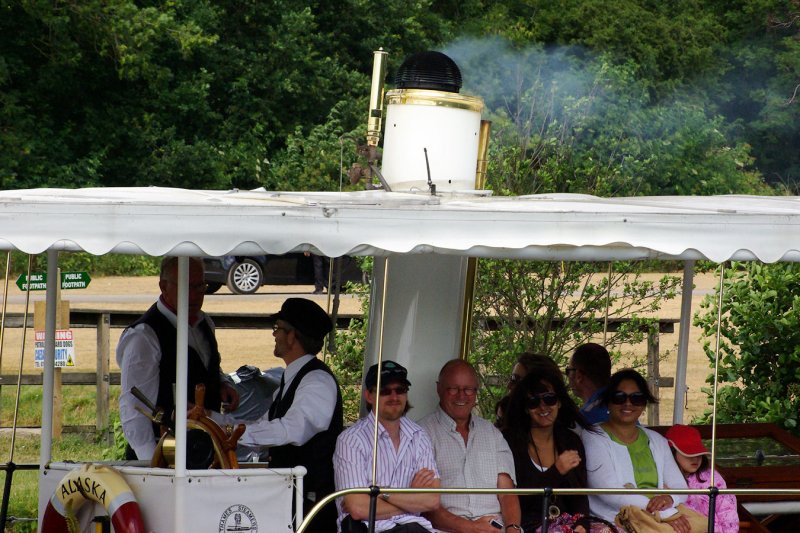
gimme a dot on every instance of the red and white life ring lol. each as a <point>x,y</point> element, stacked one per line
<point>98,483</point>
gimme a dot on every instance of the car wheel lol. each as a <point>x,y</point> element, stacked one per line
<point>211,288</point>
<point>245,277</point>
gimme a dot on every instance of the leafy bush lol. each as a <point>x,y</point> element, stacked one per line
<point>552,307</point>
<point>348,353</point>
<point>759,354</point>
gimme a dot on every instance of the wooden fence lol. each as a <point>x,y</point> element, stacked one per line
<point>104,320</point>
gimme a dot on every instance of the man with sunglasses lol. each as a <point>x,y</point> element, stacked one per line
<point>146,355</point>
<point>404,459</point>
<point>588,373</point>
<point>306,415</point>
<point>470,453</point>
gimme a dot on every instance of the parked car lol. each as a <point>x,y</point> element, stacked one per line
<point>244,275</point>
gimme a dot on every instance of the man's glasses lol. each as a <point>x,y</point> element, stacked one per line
<point>636,398</point>
<point>276,327</point>
<point>399,390</point>
<point>468,391</point>
<point>548,398</point>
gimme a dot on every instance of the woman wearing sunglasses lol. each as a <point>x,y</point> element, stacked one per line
<point>526,362</point>
<point>626,455</point>
<point>547,453</point>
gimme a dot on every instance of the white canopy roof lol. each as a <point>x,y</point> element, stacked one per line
<point>159,221</point>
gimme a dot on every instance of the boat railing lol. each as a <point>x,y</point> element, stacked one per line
<point>546,493</point>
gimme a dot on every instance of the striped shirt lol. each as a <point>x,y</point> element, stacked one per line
<point>352,462</point>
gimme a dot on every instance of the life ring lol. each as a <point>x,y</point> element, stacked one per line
<point>98,483</point>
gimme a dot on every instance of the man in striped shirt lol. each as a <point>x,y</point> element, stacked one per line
<point>405,459</point>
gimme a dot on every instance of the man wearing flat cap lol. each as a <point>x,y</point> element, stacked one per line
<point>305,417</point>
<point>405,459</point>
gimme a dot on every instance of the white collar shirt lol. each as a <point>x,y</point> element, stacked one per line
<point>474,464</point>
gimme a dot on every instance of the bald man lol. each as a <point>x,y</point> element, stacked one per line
<point>470,452</point>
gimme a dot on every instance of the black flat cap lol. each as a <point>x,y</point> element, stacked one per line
<point>306,317</point>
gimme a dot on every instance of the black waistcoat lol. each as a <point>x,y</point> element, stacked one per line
<point>316,454</point>
<point>168,340</point>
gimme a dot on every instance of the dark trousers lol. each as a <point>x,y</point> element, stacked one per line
<point>324,521</point>
<point>356,526</point>
<point>409,528</point>
<point>320,272</point>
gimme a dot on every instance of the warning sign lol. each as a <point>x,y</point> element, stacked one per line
<point>65,348</point>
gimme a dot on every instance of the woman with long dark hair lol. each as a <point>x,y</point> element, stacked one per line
<point>547,453</point>
<point>526,362</point>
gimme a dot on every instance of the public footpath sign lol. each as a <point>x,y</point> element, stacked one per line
<point>65,348</point>
<point>69,280</point>
<point>75,280</point>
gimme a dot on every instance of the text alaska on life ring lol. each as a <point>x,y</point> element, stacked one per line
<point>98,483</point>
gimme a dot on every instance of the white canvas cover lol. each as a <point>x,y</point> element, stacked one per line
<point>158,221</point>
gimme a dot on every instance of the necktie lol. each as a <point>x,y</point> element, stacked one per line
<point>274,407</point>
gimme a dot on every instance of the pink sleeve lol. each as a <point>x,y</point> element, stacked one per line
<point>726,515</point>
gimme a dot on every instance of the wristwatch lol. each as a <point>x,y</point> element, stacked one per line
<point>513,526</point>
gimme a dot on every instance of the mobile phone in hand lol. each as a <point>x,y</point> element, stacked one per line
<point>495,523</point>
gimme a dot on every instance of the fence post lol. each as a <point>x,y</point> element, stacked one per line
<point>653,373</point>
<point>103,377</point>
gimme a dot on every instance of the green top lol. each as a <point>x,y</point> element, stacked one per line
<point>644,466</point>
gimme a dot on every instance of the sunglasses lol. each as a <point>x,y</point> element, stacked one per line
<point>548,398</point>
<point>636,398</point>
<point>399,390</point>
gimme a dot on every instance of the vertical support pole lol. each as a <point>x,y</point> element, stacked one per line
<point>683,342</point>
<point>3,315</point>
<point>181,386</point>
<point>653,373</point>
<point>469,305</point>
<point>103,377</point>
<point>45,448</point>
<point>548,493</point>
<point>40,312</point>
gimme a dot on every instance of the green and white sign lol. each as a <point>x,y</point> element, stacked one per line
<point>69,280</point>
<point>75,280</point>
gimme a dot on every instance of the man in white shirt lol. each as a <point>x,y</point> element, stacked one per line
<point>146,355</point>
<point>470,453</point>
<point>306,415</point>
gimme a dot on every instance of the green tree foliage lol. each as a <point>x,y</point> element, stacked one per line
<point>760,91</point>
<point>552,307</point>
<point>738,60</point>
<point>759,348</point>
<point>565,121</point>
<point>189,94</point>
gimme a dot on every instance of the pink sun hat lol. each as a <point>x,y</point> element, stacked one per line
<point>686,439</point>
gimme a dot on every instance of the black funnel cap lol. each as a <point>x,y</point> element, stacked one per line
<point>429,70</point>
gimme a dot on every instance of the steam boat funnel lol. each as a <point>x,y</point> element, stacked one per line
<point>426,111</point>
<point>376,98</point>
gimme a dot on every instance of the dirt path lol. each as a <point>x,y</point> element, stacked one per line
<point>240,347</point>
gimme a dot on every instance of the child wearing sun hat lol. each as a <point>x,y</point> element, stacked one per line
<point>692,458</point>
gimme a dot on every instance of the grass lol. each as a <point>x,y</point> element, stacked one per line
<point>78,410</point>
